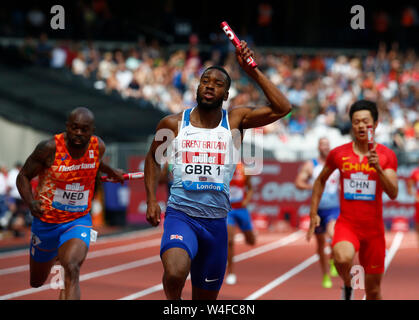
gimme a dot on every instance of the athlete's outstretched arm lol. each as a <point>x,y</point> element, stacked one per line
<point>41,158</point>
<point>115,174</point>
<point>279,105</point>
<point>165,132</point>
<point>318,188</point>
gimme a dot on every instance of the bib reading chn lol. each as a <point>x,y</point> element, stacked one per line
<point>359,187</point>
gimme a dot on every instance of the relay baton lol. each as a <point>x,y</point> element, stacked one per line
<point>236,42</point>
<point>127,176</point>
<point>370,134</point>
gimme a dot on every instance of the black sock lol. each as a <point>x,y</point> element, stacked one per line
<point>348,292</point>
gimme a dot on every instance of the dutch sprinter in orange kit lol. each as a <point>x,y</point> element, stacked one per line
<point>67,166</point>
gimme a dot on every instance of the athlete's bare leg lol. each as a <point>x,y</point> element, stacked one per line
<point>230,254</point>
<point>71,256</point>
<point>250,237</point>
<point>39,271</point>
<point>321,242</point>
<point>330,231</point>
<point>176,264</point>
<point>343,253</point>
<point>373,286</point>
<point>330,228</point>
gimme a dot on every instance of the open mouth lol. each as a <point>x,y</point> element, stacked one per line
<point>78,141</point>
<point>362,133</point>
<point>209,96</point>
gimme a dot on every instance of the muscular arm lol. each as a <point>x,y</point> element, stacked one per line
<point>301,181</point>
<point>318,188</point>
<point>163,179</point>
<point>388,179</point>
<point>117,175</point>
<point>40,159</point>
<point>165,132</point>
<point>279,106</point>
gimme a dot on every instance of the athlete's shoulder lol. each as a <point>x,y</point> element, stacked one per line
<point>382,148</point>
<point>47,146</point>
<point>342,149</point>
<point>99,143</point>
<point>171,121</point>
<point>45,152</point>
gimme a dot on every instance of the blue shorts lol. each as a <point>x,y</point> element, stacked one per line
<point>326,215</point>
<point>48,237</point>
<point>241,217</point>
<point>205,241</point>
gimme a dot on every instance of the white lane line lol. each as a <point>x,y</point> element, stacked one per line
<point>107,239</point>
<point>139,294</point>
<point>145,292</point>
<point>14,253</point>
<point>96,254</point>
<point>281,279</point>
<point>119,268</point>
<point>88,276</point>
<point>243,256</point>
<point>268,247</point>
<point>14,270</point>
<point>397,241</point>
<point>106,252</point>
<point>395,245</point>
<point>129,235</point>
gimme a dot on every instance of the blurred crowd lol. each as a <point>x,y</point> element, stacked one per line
<point>321,87</point>
<point>15,216</point>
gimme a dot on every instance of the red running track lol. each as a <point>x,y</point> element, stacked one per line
<point>281,266</point>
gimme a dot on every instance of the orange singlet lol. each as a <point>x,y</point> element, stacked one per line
<point>66,188</point>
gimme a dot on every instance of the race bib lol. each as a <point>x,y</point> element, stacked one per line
<point>359,187</point>
<point>203,171</point>
<point>72,198</point>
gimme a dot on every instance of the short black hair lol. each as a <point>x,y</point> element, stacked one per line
<point>223,71</point>
<point>364,105</point>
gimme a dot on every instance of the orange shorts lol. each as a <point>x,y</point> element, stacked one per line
<point>372,250</point>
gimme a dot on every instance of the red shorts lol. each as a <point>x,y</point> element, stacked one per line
<point>372,251</point>
<point>417,214</point>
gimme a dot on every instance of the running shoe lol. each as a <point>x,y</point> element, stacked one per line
<point>333,271</point>
<point>327,282</point>
<point>231,279</point>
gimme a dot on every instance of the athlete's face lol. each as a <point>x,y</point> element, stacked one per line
<point>212,89</point>
<point>360,120</point>
<point>324,147</point>
<point>80,128</point>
